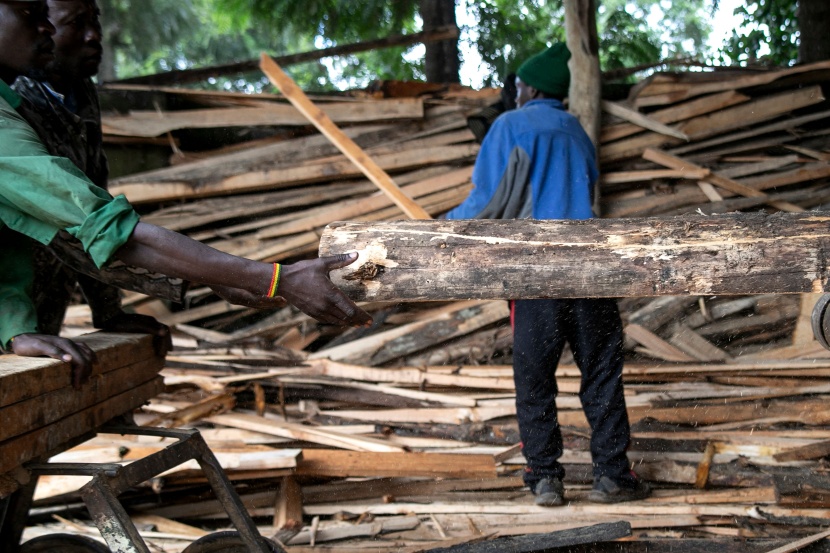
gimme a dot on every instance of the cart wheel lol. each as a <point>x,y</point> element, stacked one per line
<point>821,321</point>
<point>227,542</point>
<point>63,543</point>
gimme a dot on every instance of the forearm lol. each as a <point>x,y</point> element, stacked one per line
<point>176,255</point>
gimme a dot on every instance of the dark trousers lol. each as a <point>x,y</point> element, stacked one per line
<point>593,329</point>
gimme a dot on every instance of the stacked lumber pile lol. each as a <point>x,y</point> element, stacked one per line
<point>42,412</point>
<point>402,437</point>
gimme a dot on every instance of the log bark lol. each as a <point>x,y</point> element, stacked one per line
<point>731,254</point>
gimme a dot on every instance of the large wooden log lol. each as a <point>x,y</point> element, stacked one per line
<point>732,254</point>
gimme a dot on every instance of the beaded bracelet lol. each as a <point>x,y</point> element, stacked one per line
<point>275,280</point>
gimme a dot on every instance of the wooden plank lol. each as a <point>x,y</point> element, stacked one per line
<point>643,176</point>
<point>152,123</point>
<point>24,378</point>
<point>45,409</point>
<point>712,124</point>
<point>798,544</point>
<point>688,90</point>
<point>283,177</point>
<point>345,144</point>
<point>354,209</point>
<point>674,162</point>
<point>811,451</point>
<point>641,120</point>
<point>453,316</point>
<point>730,254</point>
<point>43,440</point>
<point>305,433</point>
<point>344,464</point>
<point>679,112</point>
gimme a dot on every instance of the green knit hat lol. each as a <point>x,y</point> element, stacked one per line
<point>548,71</point>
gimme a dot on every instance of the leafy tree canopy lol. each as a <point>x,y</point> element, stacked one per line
<point>156,35</point>
<point>769,33</point>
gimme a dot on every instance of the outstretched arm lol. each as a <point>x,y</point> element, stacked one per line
<point>305,285</point>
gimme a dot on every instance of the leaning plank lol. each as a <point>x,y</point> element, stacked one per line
<point>151,123</point>
<point>796,545</point>
<point>543,542</point>
<point>730,254</point>
<point>345,144</point>
<point>674,162</point>
<point>712,124</point>
<point>641,120</point>
<point>676,113</point>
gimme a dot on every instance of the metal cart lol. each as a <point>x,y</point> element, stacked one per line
<point>110,480</point>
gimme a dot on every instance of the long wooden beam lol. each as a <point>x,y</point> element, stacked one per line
<point>345,144</point>
<point>734,254</point>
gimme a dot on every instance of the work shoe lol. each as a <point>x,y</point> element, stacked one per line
<point>628,488</point>
<point>549,492</point>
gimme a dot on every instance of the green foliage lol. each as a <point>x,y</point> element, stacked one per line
<point>157,35</point>
<point>769,26</point>
<point>510,31</point>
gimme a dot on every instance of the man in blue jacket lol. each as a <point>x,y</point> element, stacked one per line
<point>537,162</point>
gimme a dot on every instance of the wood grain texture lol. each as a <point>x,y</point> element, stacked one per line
<point>521,259</point>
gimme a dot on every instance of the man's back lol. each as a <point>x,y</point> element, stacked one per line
<point>536,161</point>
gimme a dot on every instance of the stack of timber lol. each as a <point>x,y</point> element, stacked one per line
<point>402,436</point>
<point>43,413</point>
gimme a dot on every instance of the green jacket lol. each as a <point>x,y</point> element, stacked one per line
<point>39,196</point>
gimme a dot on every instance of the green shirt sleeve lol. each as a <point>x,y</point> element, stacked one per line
<point>17,311</point>
<point>41,194</point>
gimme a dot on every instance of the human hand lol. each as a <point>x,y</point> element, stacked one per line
<point>237,296</point>
<point>142,324</point>
<point>79,356</point>
<point>306,286</point>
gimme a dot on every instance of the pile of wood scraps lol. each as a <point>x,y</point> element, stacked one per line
<point>402,436</point>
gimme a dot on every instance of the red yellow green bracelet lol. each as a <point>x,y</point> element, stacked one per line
<point>275,280</point>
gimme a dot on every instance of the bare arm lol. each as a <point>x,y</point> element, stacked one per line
<point>305,285</point>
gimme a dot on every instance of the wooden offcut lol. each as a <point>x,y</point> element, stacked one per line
<point>729,254</point>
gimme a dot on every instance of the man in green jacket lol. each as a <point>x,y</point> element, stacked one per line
<point>42,195</point>
<point>62,106</point>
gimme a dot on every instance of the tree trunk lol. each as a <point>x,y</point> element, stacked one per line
<point>733,254</point>
<point>441,61</point>
<point>813,18</point>
<point>111,31</point>
<point>584,97</point>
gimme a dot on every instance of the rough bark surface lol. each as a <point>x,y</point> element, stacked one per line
<point>520,259</point>
<point>813,18</point>
<point>441,60</point>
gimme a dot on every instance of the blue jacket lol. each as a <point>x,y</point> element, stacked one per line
<point>535,162</point>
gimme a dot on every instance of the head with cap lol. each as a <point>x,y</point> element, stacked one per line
<point>77,40</point>
<point>544,75</point>
<point>25,37</point>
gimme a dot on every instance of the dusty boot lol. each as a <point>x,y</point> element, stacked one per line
<point>549,492</point>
